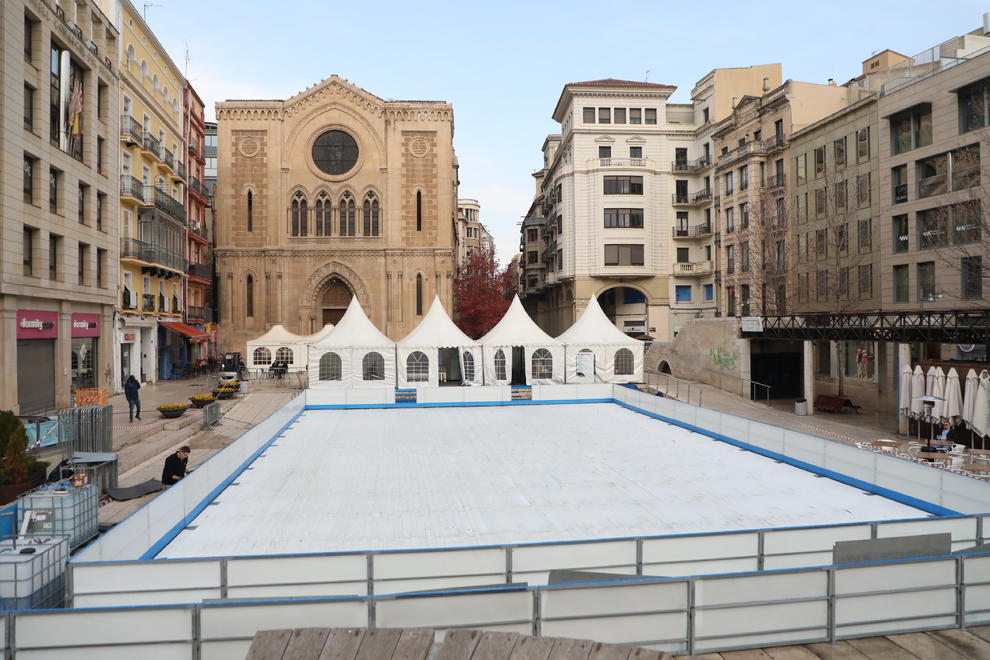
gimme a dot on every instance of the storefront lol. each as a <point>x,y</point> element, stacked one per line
<point>85,346</point>
<point>37,332</point>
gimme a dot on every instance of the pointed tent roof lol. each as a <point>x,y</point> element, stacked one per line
<point>517,329</point>
<point>319,335</point>
<point>277,334</point>
<point>355,330</point>
<point>593,327</point>
<point>436,330</point>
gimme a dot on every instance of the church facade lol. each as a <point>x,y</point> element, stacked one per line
<point>331,194</point>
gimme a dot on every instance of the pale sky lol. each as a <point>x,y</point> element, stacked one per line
<point>502,65</point>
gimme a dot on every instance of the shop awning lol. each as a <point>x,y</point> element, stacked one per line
<point>192,334</point>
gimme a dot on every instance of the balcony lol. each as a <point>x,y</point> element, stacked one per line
<point>165,202</point>
<point>204,271</point>
<point>151,143</point>
<point>774,143</point>
<point>194,150</point>
<point>691,166</point>
<point>130,130</point>
<point>195,313</point>
<point>180,169</point>
<point>775,181</point>
<point>750,148</point>
<point>148,302</point>
<point>693,268</point>
<point>131,248</point>
<point>694,199</point>
<point>900,193</point>
<point>198,229</point>
<point>166,158</point>
<point>131,187</point>
<point>197,187</point>
<point>698,231</point>
<point>620,162</point>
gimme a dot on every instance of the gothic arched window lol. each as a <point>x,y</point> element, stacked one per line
<point>250,211</point>
<point>346,222</point>
<point>300,215</point>
<point>249,296</point>
<point>371,211</point>
<point>419,211</point>
<point>321,215</point>
<point>419,295</point>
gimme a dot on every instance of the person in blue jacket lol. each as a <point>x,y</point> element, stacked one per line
<point>131,388</point>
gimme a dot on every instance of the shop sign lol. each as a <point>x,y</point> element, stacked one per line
<point>751,324</point>
<point>33,324</point>
<point>130,337</point>
<point>85,325</point>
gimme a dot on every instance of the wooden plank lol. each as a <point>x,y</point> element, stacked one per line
<point>837,651</point>
<point>495,646</point>
<point>879,648</point>
<point>701,656</point>
<point>790,653</point>
<point>378,644</point>
<point>459,644</point>
<point>601,651</point>
<point>414,644</point>
<point>983,632</point>
<point>571,649</point>
<point>649,654</point>
<point>306,644</point>
<point>532,648</point>
<point>963,643</point>
<point>924,646</point>
<point>342,644</point>
<point>748,654</point>
<point>268,644</point>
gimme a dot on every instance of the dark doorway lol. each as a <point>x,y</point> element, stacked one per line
<point>518,365</point>
<point>777,364</point>
<point>336,298</point>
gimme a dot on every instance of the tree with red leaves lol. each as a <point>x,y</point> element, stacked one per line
<point>481,293</point>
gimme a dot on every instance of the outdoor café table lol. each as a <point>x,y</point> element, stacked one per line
<point>976,467</point>
<point>979,454</point>
<point>931,456</point>
<point>886,445</point>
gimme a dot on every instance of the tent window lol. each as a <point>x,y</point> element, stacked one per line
<point>542,364</point>
<point>417,367</point>
<point>373,366</point>
<point>284,354</point>
<point>468,367</point>
<point>500,365</point>
<point>330,366</point>
<point>623,362</point>
<point>262,356</point>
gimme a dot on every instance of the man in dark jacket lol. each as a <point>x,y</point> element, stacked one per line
<point>175,466</point>
<point>131,387</point>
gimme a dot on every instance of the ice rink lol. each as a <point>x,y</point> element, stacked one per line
<point>441,477</point>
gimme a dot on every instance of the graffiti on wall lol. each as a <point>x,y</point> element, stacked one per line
<point>723,359</point>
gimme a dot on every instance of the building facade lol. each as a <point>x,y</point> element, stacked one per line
<point>471,235</point>
<point>330,194</point>
<point>58,215</point>
<point>153,217</point>
<point>199,253</point>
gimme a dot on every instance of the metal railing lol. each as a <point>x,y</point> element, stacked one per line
<point>151,253</point>
<point>201,270</point>
<point>180,169</point>
<point>151,143</point>
<point>900,193</point>
<point>148,302</point>
<point>697,231</point>
<point>165,202</point>
<point>166,157</point>
<point>691,165</point>
<point>700,197</point>
<point>131,129</point>
<point>131,187</point>
<point>198,228</point>
<point>195,312</point>
<point>775,181</point>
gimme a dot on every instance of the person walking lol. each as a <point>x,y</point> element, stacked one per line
<point>131,388</point>
<point>175,466</point>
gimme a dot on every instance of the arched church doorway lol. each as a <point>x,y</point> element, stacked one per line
<point>336,297</point>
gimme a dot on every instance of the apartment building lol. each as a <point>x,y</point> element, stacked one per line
<point>470,234</point>
<point>625,204</point>
<point>199,283</point>
<point>153,216</point>
<point>57,266</point>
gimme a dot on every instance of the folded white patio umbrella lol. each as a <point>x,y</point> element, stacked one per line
<point>930,381</point>
<point>904,401</point>
<point>917,390</point>
<point>981,407</point>
<point>953,397</point>
<point>939,393</point>
<point>969,397</point>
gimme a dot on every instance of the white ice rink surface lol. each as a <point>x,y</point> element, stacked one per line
<point>438,477</point>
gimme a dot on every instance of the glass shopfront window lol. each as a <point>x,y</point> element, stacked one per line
<point>860,359</point>
<point>83,362</point>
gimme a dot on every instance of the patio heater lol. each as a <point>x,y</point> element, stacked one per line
<point>929,403</point>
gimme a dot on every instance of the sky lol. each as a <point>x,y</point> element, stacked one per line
<point>502,65</point>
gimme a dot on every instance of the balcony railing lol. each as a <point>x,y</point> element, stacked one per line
<point>131,130</point>
<point>697,231</point>
<point>691,165</point>
<point>194,150</point>
<point>151,253</point>
<point>201,270</point>
<point>166,157</point>
<point>775,142</point>
<point>622,162</point>
<point>775,181</point>
<point>198,228</point>
<point>151,143</point>
<point>148,302</point>
<point>197,187</point>
<point>900,193</point>
<point>700,197</point>
<point>693,268</point>
<point>196,313</point>
<point>180,169</point>
<point>131,187</point>
<point>165,202</point>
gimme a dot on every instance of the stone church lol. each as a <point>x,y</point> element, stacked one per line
<point>330,194</point>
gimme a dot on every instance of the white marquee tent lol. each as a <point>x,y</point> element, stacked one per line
<point>278,344</point>
<point>542,355</point>
<point>436,351</point>
<point>597,351</point>
<point>354,354</point>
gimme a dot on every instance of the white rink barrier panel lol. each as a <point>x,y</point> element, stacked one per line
<point>145,532</point>
<point>321,399</point>
<point>680,615</point>
<point>162,581</point>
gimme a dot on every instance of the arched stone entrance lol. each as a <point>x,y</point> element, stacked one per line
<point>334,301</point>
<point>327,293</point>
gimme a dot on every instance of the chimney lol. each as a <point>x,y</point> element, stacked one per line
<point>986,24</point>
<point>733,101</point>
<point>766,85</point>
<point>831,81</point>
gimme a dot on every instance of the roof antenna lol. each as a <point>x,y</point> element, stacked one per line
<point>646,78</point>
<point>146,6</point>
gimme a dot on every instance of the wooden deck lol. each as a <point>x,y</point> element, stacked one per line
<point>420,644</point>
